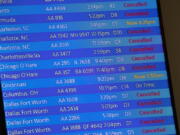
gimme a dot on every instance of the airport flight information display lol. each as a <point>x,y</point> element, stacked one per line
<point>84,67</point>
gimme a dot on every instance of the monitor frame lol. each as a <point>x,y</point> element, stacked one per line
<point>165,50</point>
<point>3,129</point>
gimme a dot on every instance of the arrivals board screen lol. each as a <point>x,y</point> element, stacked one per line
<point>84,67</point>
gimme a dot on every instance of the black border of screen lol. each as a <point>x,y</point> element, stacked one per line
<point>165,50</point>
<point>3,129</point>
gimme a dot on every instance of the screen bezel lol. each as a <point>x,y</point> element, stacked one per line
<point>3,128</point>
<point>165,50</point>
